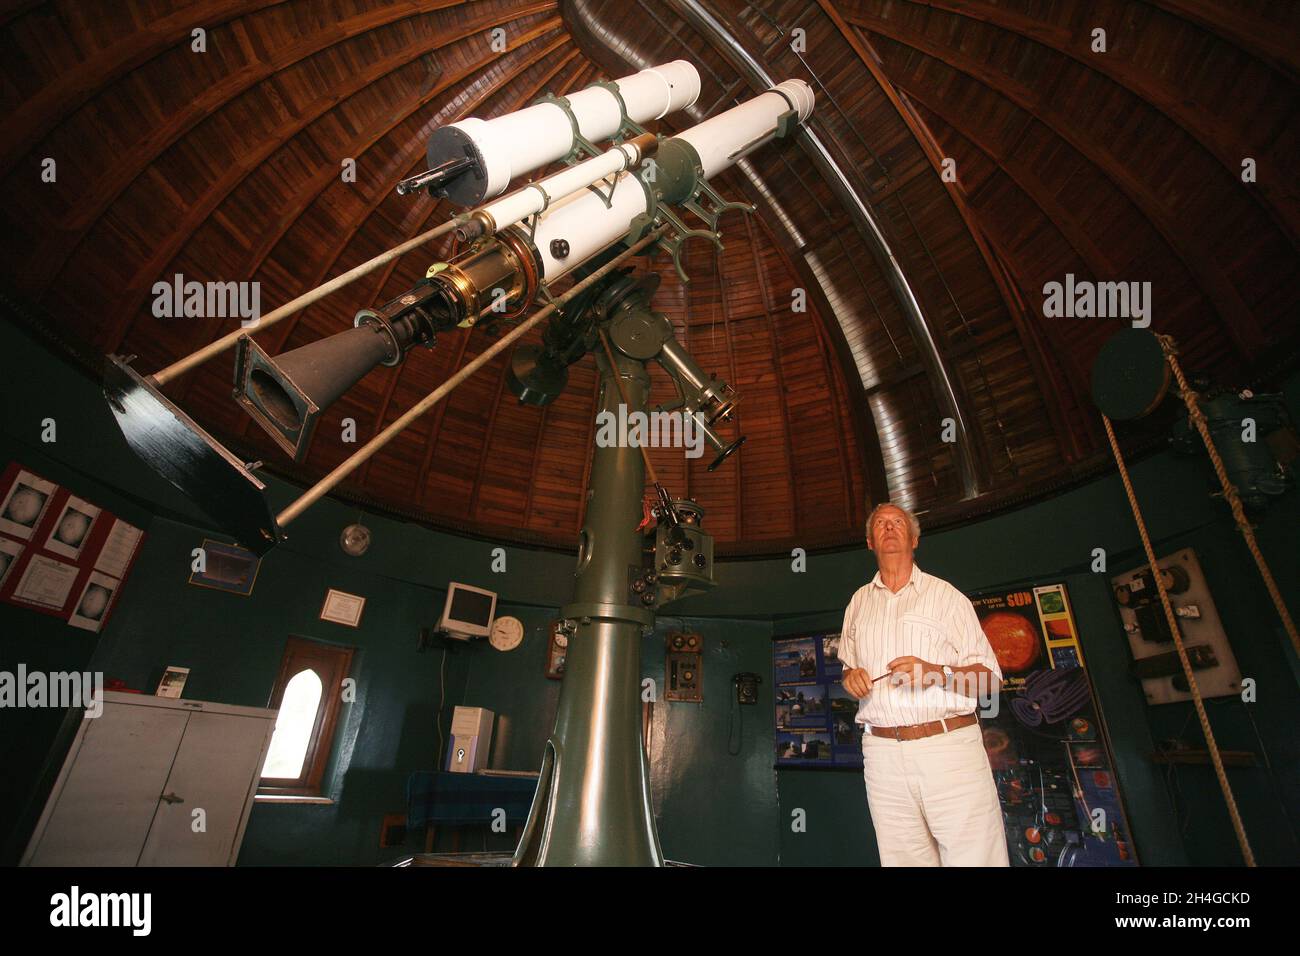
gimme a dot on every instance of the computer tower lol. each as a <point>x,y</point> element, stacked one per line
<point>471,740</point>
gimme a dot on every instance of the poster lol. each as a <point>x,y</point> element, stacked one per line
<point>60,554</point>
<point>1047,745</point>
<point>814,714</point>
<point>119,548</point>
<point>227,567</point>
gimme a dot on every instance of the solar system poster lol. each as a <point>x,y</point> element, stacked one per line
<point>814,713</point>
<point>1047,746</point>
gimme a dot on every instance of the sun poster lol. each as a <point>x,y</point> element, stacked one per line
<point>1047,744</point>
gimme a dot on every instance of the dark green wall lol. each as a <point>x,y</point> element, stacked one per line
<point>714,807</point>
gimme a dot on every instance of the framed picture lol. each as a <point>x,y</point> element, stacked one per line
<point>10,551</point>
<point>71,530</point>
<point>227,567</point>
<point>342,608</point>
<point>96,600</point>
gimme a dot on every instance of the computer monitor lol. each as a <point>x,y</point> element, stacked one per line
<point>468,612</point>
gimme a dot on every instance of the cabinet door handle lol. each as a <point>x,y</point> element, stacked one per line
<point>172,798</point>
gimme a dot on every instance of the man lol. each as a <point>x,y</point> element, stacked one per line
<point>917,660</point>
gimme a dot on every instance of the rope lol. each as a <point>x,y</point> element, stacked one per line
<point>1230,495</point>
<point>1213,745</point>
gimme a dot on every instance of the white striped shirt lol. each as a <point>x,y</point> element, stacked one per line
<point>928,618</point>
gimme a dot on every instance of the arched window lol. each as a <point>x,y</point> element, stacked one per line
<point>308,695</point>
<point>293,727</point>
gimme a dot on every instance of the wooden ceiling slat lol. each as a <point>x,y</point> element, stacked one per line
<point>1258,36</point>
<point>926,141</point>
<point>777,363</point>
<point>1240,322</point>
<point>200,210</point>
<point>65,93</point>
<point>126,167</point>
<point>1227,144</point>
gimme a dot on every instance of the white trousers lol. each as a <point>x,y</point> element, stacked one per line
<point>933,801</point>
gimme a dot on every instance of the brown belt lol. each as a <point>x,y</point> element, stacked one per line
<point>917,731</point>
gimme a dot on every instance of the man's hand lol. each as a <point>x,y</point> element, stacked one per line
<point>914,672</point>
<point>856,681</point>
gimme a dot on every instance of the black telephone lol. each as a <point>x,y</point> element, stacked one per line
<point>746,687</point>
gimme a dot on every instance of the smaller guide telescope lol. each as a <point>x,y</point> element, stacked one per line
<point>582,221</point>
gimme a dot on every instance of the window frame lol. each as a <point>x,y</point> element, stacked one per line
<point>332,664</point>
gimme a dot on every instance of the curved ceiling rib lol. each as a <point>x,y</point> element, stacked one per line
<point>1200,121</point>
<point>1015,306</point>
<point>41,112</point>
<point>128,165</point>
<point>1198,260</point>
<point>758,78</point>
<point>138,287</point>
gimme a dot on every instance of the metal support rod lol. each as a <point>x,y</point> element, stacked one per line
<point>197,358</point>
<point>322,487</point>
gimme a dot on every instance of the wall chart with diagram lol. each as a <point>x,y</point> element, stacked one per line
<point>1047,744</point>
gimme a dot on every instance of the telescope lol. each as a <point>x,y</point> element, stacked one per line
<point>579,222</point>
<point>580,225</point>
<point>518,245</point>
<point>473,160</point>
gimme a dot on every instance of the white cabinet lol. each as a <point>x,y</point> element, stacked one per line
<point>136,775</point>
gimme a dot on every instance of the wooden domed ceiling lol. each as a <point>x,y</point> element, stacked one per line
<point>924,296</point>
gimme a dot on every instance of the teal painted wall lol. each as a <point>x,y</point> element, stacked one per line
<point>714,807</point>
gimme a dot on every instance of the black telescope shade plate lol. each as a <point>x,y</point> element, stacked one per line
<point>467,188</point>
<point>1130,375</point>
<point>170,443</point>
<point>727,453</point>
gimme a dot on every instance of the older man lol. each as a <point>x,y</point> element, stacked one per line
<point>917,660</point>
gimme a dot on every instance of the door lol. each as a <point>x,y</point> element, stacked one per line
<point>103,812</point>
<point>216,769</point>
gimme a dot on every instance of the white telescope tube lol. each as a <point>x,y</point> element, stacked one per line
<point>519,142</point>
<point>718,140</point>
<point>535,197</point>
<point>587,225</point>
